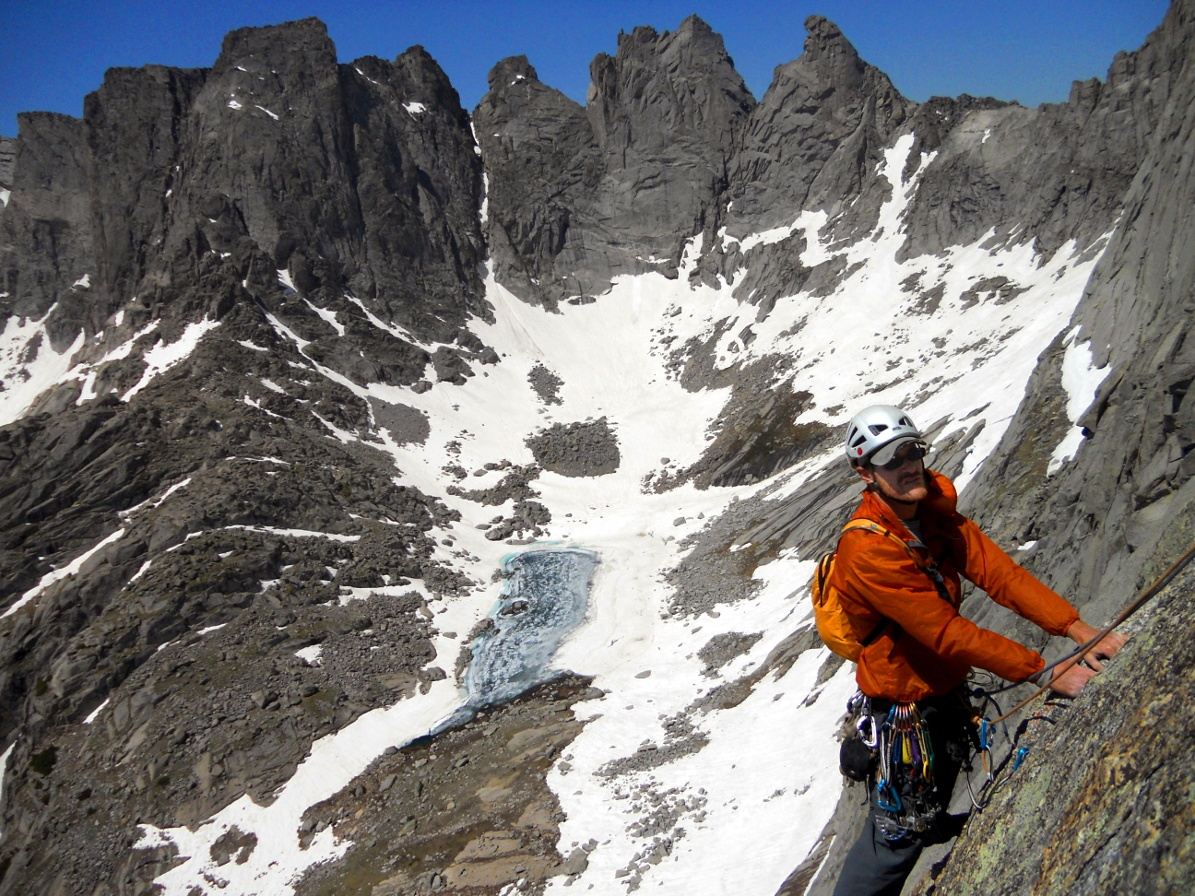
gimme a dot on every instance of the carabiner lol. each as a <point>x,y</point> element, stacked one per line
<point>866,727</point>
<point>892,805</point>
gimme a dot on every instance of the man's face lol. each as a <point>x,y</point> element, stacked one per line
<point>905,483</point>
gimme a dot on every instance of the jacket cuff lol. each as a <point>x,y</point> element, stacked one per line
<point>1041,676</point>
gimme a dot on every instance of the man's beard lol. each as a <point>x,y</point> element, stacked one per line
<point>906,484</point>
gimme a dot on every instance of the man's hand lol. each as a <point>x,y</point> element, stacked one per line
<point>1071,681</point>
<point>1106,648</point>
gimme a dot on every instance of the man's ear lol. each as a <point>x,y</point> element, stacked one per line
<point>866,474</point>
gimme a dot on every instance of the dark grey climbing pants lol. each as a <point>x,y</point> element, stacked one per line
<point>877,867</point>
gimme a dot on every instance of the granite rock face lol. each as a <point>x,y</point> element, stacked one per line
<point>8,159</point>
<point>1086,152</point>
<point>817,135</point>
<point>578,196</point>
<point>277,158</point>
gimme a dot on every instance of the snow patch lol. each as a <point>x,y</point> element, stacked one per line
<point>154,503</point>
<point>1080,379</point>
<point>278,860</point>
<point>29,365</point>
<point>95,713</point>
<point>89,372</point>
<point>292,533</point>
<point>809,223</point>
<point>57,575</point>
<point>329,317</point>
<point>311,655</point>
<point>161,357</point>
<point>3,768</point>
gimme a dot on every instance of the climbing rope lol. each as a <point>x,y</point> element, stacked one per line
<point>1075,656</point>
<point>988,727</point>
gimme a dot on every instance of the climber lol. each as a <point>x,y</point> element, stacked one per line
<point>918,649</point>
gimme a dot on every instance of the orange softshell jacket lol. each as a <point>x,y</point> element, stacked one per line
<point>927,648</point>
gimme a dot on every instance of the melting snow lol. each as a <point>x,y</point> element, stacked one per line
<point>365,76</point>
<point>89,372</point>
<point>161,357</point>
<point>809,223</point>
<point>154,503</point>
<point>3,768</point>
<point>1080,379</point>
<point>29,365</point>
<point>311,655</point>
<point>277,860</point>
<point>95,713</point>
<point>72,568</point>
<point>327,316</point>
<point>293,533</point>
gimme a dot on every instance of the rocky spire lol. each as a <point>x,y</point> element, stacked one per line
<point>817,134</point>
<point>647,162</point>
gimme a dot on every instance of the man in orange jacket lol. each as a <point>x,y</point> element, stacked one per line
<point>918,649</point>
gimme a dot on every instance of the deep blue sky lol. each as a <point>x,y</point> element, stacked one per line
<point>54,52</point>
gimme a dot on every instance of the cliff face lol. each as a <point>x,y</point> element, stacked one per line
<point>294,352</point>
<point>277,158</point>
<point>817,135</point>
<point>580,196</point>
<point>1100,784</point>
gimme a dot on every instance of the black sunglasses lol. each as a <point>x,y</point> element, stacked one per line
<point>908,455</point>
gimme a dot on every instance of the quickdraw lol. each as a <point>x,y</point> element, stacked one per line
<point>866,726</point>
<point>906,772</point>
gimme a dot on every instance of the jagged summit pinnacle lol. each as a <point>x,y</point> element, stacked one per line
<point>510,70</point>
<point>830,57</point>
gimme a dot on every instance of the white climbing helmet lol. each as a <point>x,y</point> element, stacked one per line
<point>880,426</point>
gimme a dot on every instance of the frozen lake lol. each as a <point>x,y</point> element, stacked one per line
<point>544,597</point>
